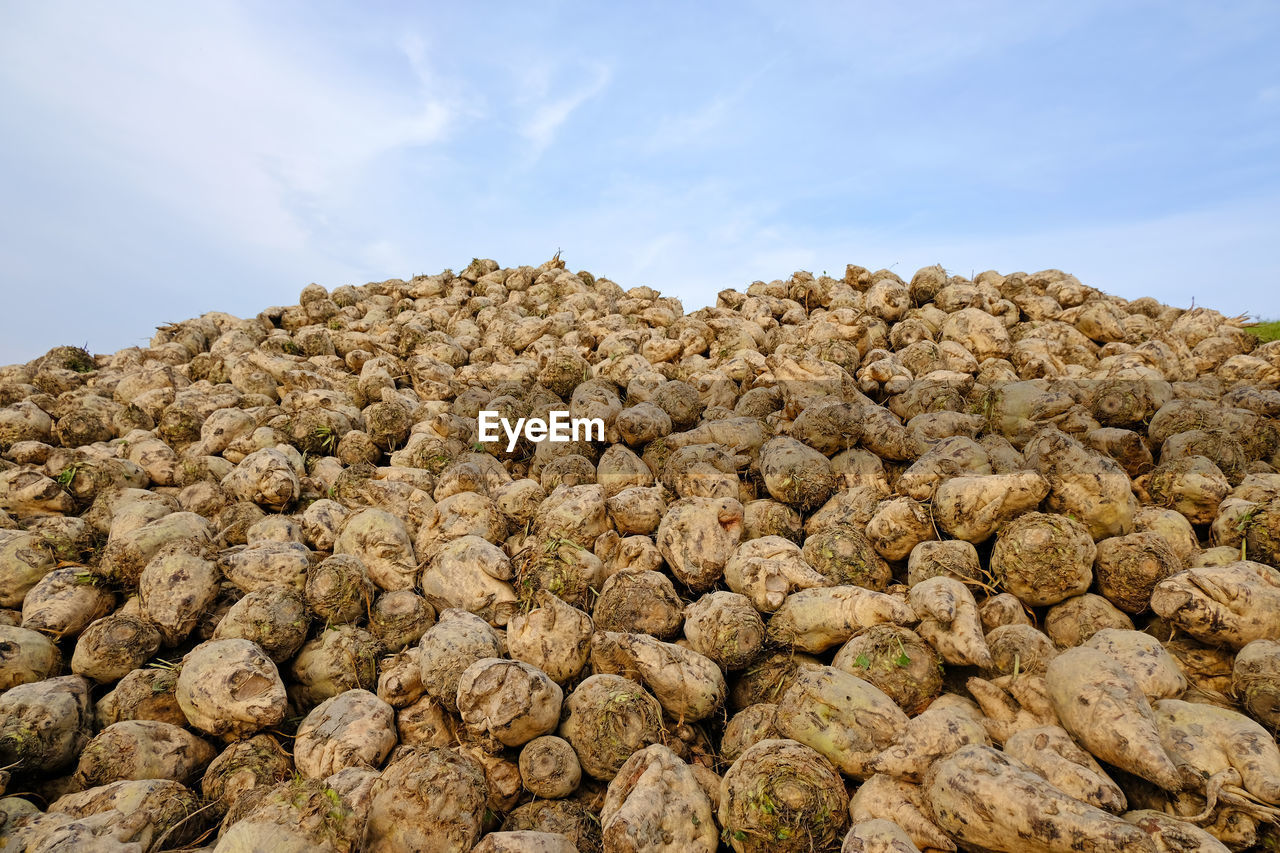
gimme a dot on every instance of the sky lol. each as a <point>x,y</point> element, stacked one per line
<point>160,160</point>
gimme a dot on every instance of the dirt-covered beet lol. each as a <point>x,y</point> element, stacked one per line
<point>782,795</point>
<point>1044,558</point>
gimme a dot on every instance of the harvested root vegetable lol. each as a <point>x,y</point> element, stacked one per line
<point>135,814</point>
<point>525,841</point>
<point>559,566</point>
<point>352,729</point>
<point>1005,510</point>
<point>949,621</point>
<point>898,526</point>
<point>1141,655</point>
<point>747,727</point>
<point>898,661</point>
<point>985,798</point>
<point>848,720</point>
<point>767,569</point>
<point>44,725</point>
<point>689,685</point>
<point>65,601</point>
<point>425,722</point>
<point>1262,534</point>
<point>175,589</point>
<point>354,786</point>
<point>607,718</point>
<point>338,659</point>
<point>1050,752</point>
<point>934,733</point>
<point>1012,704</point>
<point>427,799</point>
<point>1171,834</point>
<point>273,617</point>
<point>953,558</point>
<point>796,474</point>
<point>726,628</point>
<point>461,514</point>
<point>1044,558</point>
<point>1090,487</point>
<point>268,564</point>
<point>903,803</point>
<point>974,508</point>
<point>766,679</point>
<point>400,678</point>
<point>951,457</point>
<point>264,477</point>
<point>767,517</point>
<point>637,510</point>
<point>1173,526</point>
<point>257,762</point>
<point>381,542</point>
<point>814,620</point>
<point>400,617</point>
<point>1127,568</point>
<point>1207,669</point>
<point>639,601</point>
<point>656,803</point>
<point>25,558</point>
<point>576,513</point>
<point>549,767</point>
<point>1214,740</point>
<point>1230,605</point>
<point>1104,708</point>
<point>501,773</point>
<point>508,701</point>
<point>1073,621</point>
<point>697,537</point>
<point>1192,485</point>
<point>1003,609</point>
<point>781,795</point>
<point>127,553</point>
<point>552,637</point>
<point>148,693</point>
<point>456,641</point>
<point>843,554</point>
<point>142,749</point>
<point>230,688</point>
<point>569,818</point>
<point>474,575</point>
<point>27,656</point>
<point>877,836</point>
<point>114,646</point>
<point>828,426</point>
<point>338,589</point>
<point>1019,648</point>
<point>1256,681</point>
<point>293,817</point>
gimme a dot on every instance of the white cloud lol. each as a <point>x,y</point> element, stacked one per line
<point>209,116</point>
<point>550,113</point>
<point>689,130</point>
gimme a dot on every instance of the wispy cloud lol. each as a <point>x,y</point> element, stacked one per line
<point>695,128</point>
<point>208,116</point>
<point>550,113</point>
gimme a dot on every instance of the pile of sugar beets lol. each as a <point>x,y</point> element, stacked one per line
<point>861,565</point>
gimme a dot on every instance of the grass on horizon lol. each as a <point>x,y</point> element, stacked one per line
<point>1266,330</point>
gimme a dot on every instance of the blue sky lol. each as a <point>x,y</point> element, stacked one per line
<point>159,160</point>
